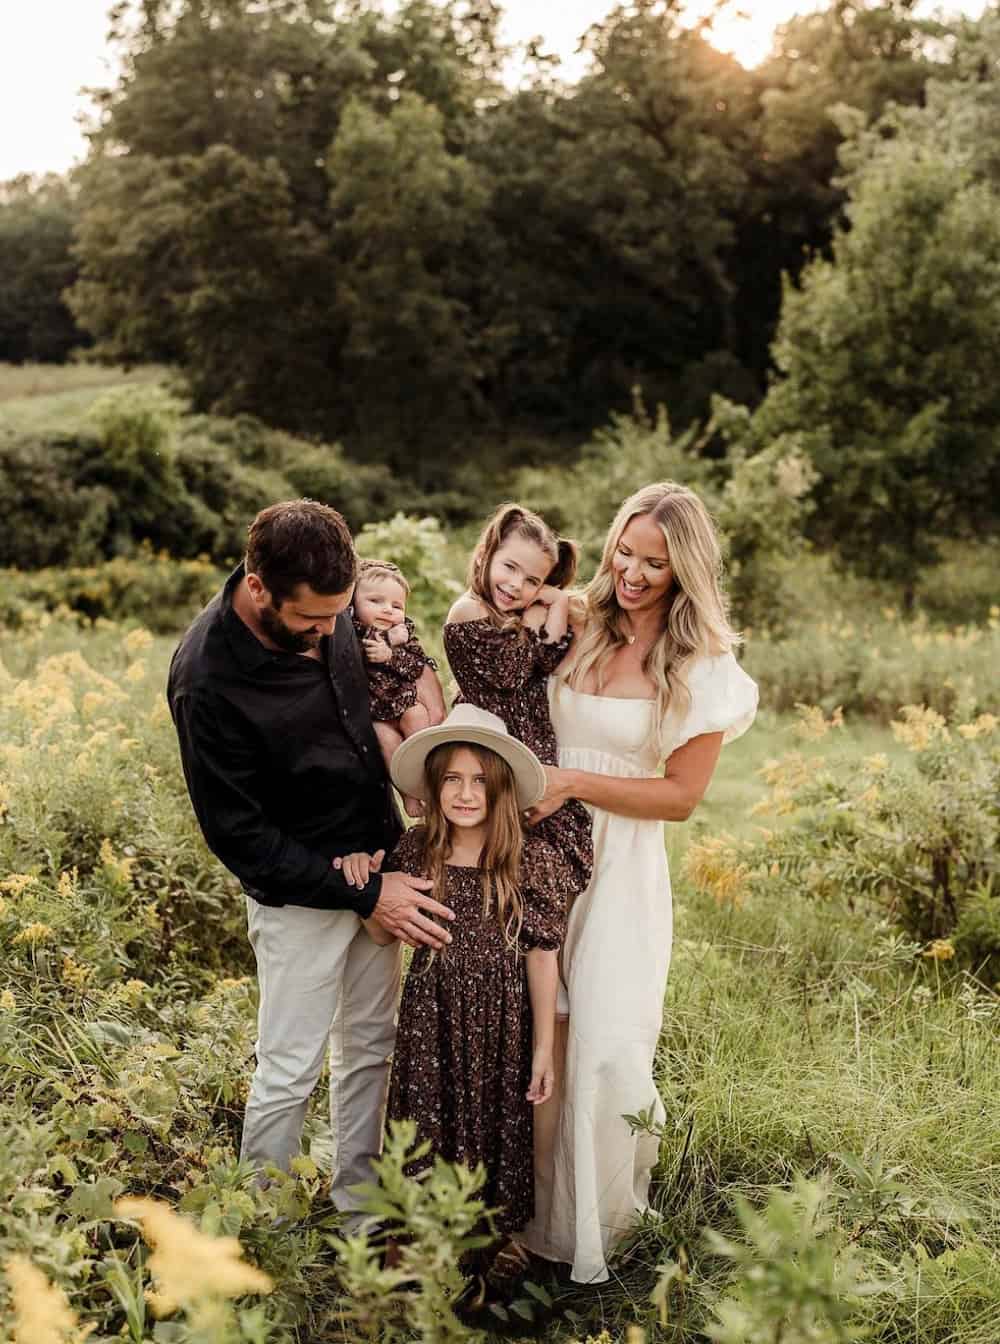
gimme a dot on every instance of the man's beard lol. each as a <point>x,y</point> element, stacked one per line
<point>292,641</point>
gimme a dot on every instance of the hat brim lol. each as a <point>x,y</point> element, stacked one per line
<point>407,766</point>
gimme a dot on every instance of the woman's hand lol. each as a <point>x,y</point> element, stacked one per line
<point>557,792</point>
<point>357,868</point>
<point>542,1076</point>
<point>376,650</point>
<point>548,594</point>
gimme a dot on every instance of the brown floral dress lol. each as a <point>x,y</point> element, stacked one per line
<point>506,672</point>
<point>462,1062</point>
<point>392,686</point>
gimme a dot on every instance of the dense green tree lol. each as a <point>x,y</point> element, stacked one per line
<point>36,265</point>
<point>887,359</point>
<point>405,213</point>
<point>852,52</point>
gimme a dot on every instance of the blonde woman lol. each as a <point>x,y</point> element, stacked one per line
<point>651,679</point>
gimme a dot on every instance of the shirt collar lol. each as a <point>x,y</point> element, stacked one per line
<point>246,648</point>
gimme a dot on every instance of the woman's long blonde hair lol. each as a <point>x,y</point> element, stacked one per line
<point>500,859</point>
<point>696,618</point>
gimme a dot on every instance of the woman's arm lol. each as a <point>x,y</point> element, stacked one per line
<point>673,798</point>
<point>543,973</point>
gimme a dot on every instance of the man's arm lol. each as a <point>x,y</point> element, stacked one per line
<point>220,763</point>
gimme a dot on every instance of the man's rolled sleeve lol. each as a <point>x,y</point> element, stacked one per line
<point>221,762</point>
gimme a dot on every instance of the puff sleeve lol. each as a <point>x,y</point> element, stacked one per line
<point>547,886</point>
<point>723,700</point>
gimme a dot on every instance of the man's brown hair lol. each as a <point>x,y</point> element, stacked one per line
<point>301,541</point>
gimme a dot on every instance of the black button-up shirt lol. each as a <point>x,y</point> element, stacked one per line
<point>280,757</point>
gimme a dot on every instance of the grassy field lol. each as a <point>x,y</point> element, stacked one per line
<point>43,397</point>
<point>829,1169</point>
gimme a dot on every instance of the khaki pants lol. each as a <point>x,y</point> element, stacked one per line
<point>323,984</point>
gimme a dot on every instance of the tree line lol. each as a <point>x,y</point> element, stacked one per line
<point>340,221</point>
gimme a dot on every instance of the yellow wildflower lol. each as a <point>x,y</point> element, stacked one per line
<point>714,865</point>
<point>940,949</point>
<point>889,613</point>
<point>34,933</point>
<point>877,764</point>
<point>16,883</point>
<point>92,702</point>
<point>67,883</point>
<point>137,641</point>
<point>136,671</point>
<point>74,975</point>
<point>813,724</point>
<point>42,1315</point>
<point>188,1266</point>
<point>919,727</point>
<point>119,870</point>
<point>7,1002</point>
<point>985,724</point>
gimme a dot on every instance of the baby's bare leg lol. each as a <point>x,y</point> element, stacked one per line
<point>389,738</point>
<point>413,719</point>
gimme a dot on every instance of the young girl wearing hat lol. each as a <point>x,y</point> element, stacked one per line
<point>476,1021</point>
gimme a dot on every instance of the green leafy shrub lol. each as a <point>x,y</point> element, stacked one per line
<point>870,662</point>
<point>162,593</point>
<point>977,936</point>
<point>913,842</point>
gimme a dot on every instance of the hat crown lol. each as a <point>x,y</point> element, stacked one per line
<point>471,716</point>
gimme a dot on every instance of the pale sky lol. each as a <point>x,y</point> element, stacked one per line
<point>51,49</point>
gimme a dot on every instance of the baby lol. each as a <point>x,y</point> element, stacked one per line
<point>394,659</point>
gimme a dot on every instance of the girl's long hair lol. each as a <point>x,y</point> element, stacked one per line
<point>508,520</point>
<point>696,618</point>
<point>500,858</point>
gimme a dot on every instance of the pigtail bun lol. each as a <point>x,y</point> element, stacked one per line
<point>567,559</point>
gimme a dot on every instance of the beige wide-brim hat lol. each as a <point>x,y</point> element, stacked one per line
<point>468,723</point>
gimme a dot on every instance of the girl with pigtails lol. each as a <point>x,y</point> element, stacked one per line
<point>506,635</point>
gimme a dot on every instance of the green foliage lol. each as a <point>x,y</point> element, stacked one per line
<point>760,500</point>
<point>868,661</point>
<point>792,1279</point>
<point>36,266</point>
<point>977,935</point>
<point>913,842</point>
<point>437,1221</point>
<point>885,358</point>
<point>162,593</point>
<point>526,256</point>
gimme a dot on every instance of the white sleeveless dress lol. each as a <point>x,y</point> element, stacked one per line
<point>615,962</point>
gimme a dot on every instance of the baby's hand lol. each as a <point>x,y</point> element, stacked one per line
<point>376,650</point>
<point>398,634</point>
<point>542,1077</point>
<point>357,868</point>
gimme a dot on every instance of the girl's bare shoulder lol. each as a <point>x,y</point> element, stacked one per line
<point>466,608</point>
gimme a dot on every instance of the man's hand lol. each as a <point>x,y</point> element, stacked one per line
<point>400,911</point>
<point>357,868</point>
<point>398,634</point>
<point>376,650</point>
